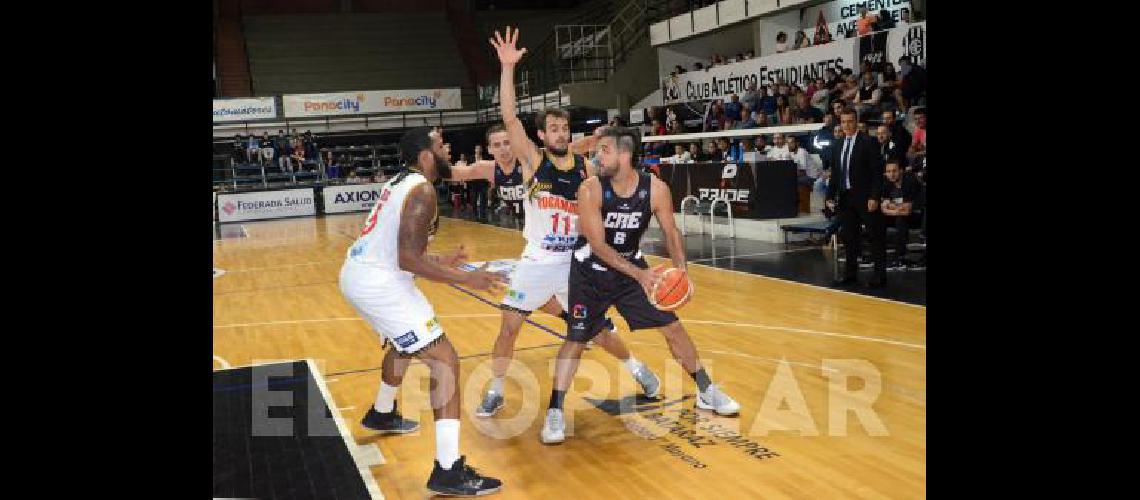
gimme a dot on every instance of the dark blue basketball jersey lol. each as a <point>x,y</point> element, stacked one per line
<point>510,187</point>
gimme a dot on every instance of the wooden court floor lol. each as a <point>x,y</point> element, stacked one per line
<point>832,385</point>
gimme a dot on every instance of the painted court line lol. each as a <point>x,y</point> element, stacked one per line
<point>802,330</point>
<point>352,318</point>
<point>747,274</point>
<point>774,252</point>
<point>363,458</point>
<point>741,354</point>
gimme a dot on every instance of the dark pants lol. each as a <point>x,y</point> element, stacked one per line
<point>477,194</point>
<point>853,215</point>
<point>902,225</point>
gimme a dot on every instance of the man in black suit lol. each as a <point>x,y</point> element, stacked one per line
<point>854,191</point>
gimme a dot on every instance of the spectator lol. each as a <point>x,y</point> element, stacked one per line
<point>768,104</point>
<point>888,148</point>
<point>695,153</point>
<point>731,111</point>
<point>252,149</point>
<point>901,208</point>
<point>781,42</point>
<point>311,150</point>
<point>670,119</point>
<point>821,140</point>
<point>658,128</point>
<point>760,119</point>
<point>802,41</point>
<point>745,119</point>
<point>267,149</point>
<point>899,135</point>
<point>750,54</point>
<point>714,115</point>
<point>808,169</point>
<point>751,96</point>
<point>762,146</point>
<point>805,112</point>
<point>904,17</point>
<point>868,95</point>
<point>862,127</point>
<point>850,89</point>
<point>884,21</point>
<point>888,79</point>
<point>281,150</point>
<point>739,57</point>
<point>831,79</point>
<point>866,22</point>
<point>783,111</point>
<point>779,150</point>
<point>918,146</point>
<point>335,166</point>
<point>865,68</point>
<point>698,66</point>
<point>299,147</point>
<point>712,151</point>
<point>836,109</point>
<point>819,98</point>
<point>846,72</point>
<point>680,155</point>
<point>913,84</point>
<point>679,70</point>
<point>237,151</point>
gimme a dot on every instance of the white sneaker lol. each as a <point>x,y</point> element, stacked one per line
<point>553,431</point>
<point>714,399</point>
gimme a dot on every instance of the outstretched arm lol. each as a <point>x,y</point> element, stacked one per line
<point>523,148</point>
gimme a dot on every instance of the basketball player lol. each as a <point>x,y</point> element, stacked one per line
<point>377,279</point>
<point>608,269</point>
<point>508,180</point>
<point>551,176</point>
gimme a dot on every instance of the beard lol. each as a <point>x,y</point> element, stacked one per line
<point>558,152</point>
<point>442,168</point>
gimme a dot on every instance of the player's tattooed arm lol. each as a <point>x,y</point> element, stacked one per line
<point>509,55</point>
<point>661,202</point>
<point>415,225</point>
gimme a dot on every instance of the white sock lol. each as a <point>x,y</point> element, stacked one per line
<point>447,442</point>
<point>386,398</point>
<point>497,385</point>
<point>632,364</point>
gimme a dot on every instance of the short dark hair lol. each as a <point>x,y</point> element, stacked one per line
<point>628,139</point>
<point>412,143</point>
<point>848,110</point>
<point>920,111</point>
<point>494,129</point>
<point>540,118</point>
<point>892,159</point>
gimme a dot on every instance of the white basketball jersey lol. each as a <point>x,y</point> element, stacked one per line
<point>377,245</point>
<point>551,208</point>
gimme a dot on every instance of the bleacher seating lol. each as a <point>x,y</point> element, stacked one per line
<point>291,54</point>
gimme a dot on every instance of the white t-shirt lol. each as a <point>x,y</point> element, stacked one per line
<point>779,153</point>
<point>805,161</point>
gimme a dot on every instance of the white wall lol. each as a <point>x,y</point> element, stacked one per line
<point>788,22</point>
<point>726,41</point>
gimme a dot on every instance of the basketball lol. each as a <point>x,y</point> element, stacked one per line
<point>673,291</point>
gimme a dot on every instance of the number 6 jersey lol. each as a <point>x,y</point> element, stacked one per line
<point>551,208</point>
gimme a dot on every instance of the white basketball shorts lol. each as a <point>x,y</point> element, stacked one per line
<point>392,305</point>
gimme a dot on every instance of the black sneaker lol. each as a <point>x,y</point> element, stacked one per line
<point>461,481</point>
<point>388,423</point>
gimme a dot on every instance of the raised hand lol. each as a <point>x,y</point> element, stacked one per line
<point>505,48</point>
